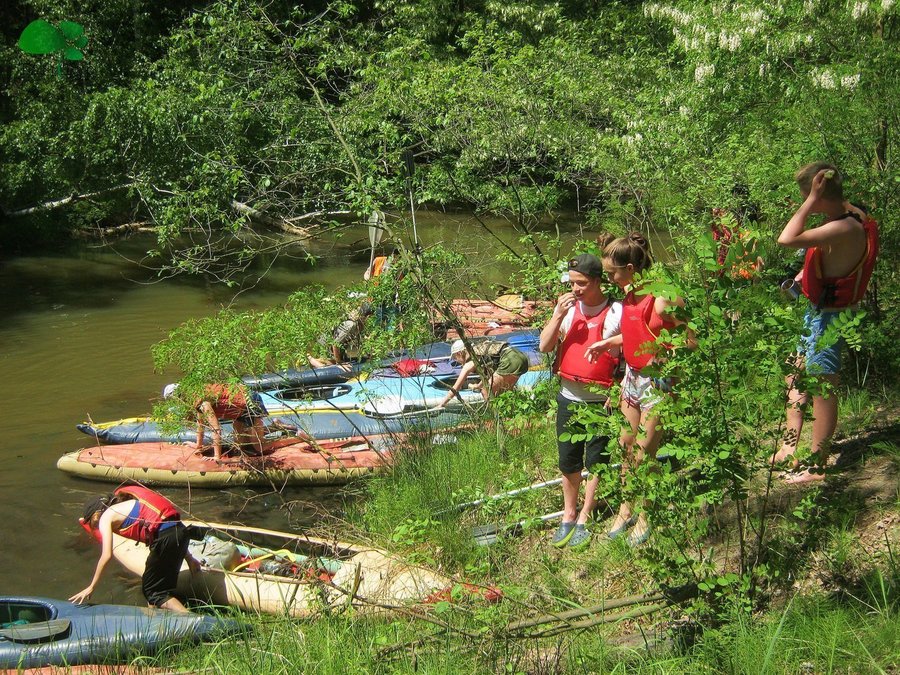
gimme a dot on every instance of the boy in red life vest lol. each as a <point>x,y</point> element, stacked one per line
<point>243,408</point>
<point>643,319</point>
<point>840,257</point>
<point>582,317</point>
<point>142,515</point>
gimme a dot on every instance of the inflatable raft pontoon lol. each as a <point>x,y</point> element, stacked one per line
<point>36,632</point>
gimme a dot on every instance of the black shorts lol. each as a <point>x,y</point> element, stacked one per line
<point>167,552</point>
<point>575,456</point>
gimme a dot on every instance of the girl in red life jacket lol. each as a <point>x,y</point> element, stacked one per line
<point>143,515</point>
<point>643,319</point>
<point>840,256</point>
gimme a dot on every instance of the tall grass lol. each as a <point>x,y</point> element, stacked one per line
<point>411,511</point>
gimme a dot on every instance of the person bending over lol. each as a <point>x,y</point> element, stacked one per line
<point>504,365</point>
<point>145,516</point>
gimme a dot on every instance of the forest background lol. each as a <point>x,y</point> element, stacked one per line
<point>202,119</point>
<point>216,122</point>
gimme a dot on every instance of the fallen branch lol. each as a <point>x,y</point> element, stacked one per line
<point>55,204</point>
<point>317,214</point>
<point>599,620</point>
<point>259,217</point>
<point>584,611</point>
<point>114,230</point>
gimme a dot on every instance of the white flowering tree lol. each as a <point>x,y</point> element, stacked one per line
<point>765,86</point>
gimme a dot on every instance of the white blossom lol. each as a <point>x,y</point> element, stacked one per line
<point>886,5</point>
<point>731,42</point>
<point>824,79</point>
<point>763,69</point>
<point>860,9</point>
<point>850,81</point>
<point>684,111</point>
<point>702,71</point>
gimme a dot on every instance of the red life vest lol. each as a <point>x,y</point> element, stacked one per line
<point>227,404</point>
<point>641,325</point>
<point>837,292</point>
<point>154,511</point>
<point>570,361</point>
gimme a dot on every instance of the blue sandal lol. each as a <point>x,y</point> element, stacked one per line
<point>562,535</point>
<point>619,531</point>
<point>636,540</point>
<point>580,538</point>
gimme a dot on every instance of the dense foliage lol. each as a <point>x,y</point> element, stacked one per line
<point>640,114</point>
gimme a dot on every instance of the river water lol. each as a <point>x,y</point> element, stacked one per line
<point>76,328</point>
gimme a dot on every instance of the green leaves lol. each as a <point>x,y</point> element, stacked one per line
<point>42,37</point>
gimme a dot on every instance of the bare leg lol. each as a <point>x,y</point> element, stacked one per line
<point>317,363</point>
<point>825,412</point>
<point>571,484</point>
<point>794,413</point>
<point>175,605</point>
<point>627,441</point>
<point>250,437</point>
<point>647,445</point>
<point>590,500</point>
<point>499,384</point>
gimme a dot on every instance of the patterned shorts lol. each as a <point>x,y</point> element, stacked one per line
<point>640,391</point>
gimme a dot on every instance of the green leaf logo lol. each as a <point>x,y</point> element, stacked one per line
<point>66,41</point>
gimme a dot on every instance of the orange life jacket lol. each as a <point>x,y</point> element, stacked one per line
<point>227,404</point>
<point>154,511</point>
<point>570,361</point>
<point>378,265</point>
<point>641,325</point>
<point>838,292</point>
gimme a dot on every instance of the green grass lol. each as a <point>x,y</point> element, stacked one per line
<point>409,511</point>
<point>816,635</point>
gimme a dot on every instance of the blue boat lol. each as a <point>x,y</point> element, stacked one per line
<point>373,407</point>
<point>36,632</point>
<point>414,392</point>
<point>322,425</point>
<point>438,352</point>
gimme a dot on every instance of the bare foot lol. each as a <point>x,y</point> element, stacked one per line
<point>783,455</point>
<point>808,476</point>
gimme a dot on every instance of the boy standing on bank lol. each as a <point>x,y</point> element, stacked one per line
<point>582,317</point>
<point>840,257</point>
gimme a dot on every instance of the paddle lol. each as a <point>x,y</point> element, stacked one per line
<point>485,535</point>
<point>409,160</point>
<point>376,232</point>
<point>512,493</point>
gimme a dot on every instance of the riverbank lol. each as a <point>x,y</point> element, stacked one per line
<point>832,603</point>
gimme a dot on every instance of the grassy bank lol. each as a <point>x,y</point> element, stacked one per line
<point>815,635</point>
<point>830,601</point>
